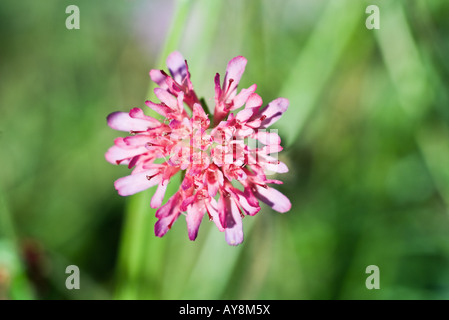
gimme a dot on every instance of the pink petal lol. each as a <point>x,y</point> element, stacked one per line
<point>217,87</point>
<point>274,148</point>
<point>213,178</point>
<point>135,183</point>
<point>167,215</point>
<point>242,97</point>
<point>177,66</point>
<point>234,227</point>
<point>273,111</point>
<point>274,181</point>
<point>187,182</point>
<point>267,138</point>
<point>166,98</point>
<point>137,113</point>
<point>243,133</point>
<point>254,101</point>
<point>187,202</point>
<point>134,141</point>
<point>274,165</point>
<point>273,198</point>
<point>234,71</point>
<point>222,210</point>
<point>143,162</point>
<point>159,77</point>
<point>198,112</point>
<point>212,189</point>
<point>163,110</point>
<point>123,122</point>
<point>245,114</point>
<point>180,102</point>
<point>222,133</point>
<point>170,207</point>
<point>234,235</point>
<point>116,154</point>
<point>212,209</point>
<point>195,213</point>
<point>158,196</point>
<point>228,211</point>
<point>246,203</point>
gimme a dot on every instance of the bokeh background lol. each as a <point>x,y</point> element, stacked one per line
<point>366,139</point>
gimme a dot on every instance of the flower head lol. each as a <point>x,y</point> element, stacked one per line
<point>225,160</point>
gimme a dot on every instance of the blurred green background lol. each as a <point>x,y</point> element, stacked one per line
<point>366,139</point>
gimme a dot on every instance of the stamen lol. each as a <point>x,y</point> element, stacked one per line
<point>229,86</point>
<point>210,217</point>
<point>151,177</point>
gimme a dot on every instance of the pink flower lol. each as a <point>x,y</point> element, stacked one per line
<point>214,157</point>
